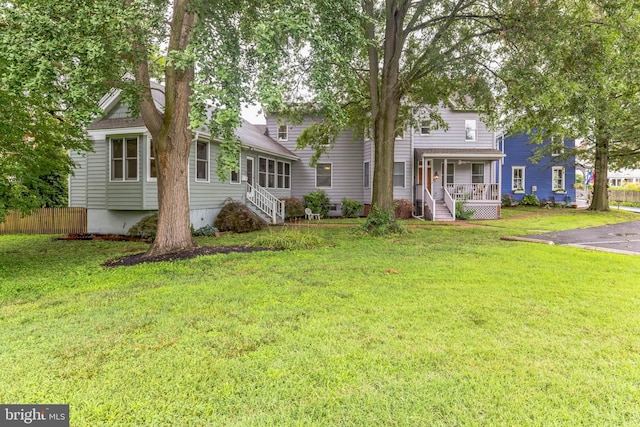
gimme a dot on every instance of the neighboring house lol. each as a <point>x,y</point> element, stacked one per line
<point>117,181</point>
<point>552,178</point>
<point>623,176</point>
<point>433,168</point>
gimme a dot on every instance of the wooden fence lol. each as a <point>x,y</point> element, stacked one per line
<point>46,221</point>
<point>624,196</point>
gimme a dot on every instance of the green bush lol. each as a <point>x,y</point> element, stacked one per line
<point>146,228</point>
<point>403,208</point>
<point>530,200</point>
<point>207,230</point>
<point>380,222</point>
<point>318,202</point>
<point>462,212</point>
<point>290,239</point>
<point>236,217</point>
<point>293,207</point>
<point>351,208</point>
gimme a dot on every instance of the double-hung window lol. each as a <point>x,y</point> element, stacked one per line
<point>323,175</point>
<point>424,128</point>
<point>398,174</point>
<point>557,178</point>
<point>477,173</point>
<point>235,174</point>
<point>153,169</point>
<point>202,161</point>
<point>262,172</point>
<point>451,172</point>
<point>283,133</point>
<point>124,159</point>
<point>470,130</point>
<point>517,178</point>
<point>284,175</point>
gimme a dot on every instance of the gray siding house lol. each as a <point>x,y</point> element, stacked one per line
<point>116,182</point>
<point>434,168</point>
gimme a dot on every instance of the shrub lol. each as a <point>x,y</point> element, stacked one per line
<point>146,228</point>
<point>530,200</point>
<point>235,216</point>
<point>207,230</point>
<point>462,212</point>
<point>403,208</point>
<point>380,222</point>
<point>289,239</point>
<point>318,202</point>
<point>508,200</point>
<point>293,207</point>
<point>351,208</point>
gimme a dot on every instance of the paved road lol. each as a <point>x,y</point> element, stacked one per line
<point>619,238</point>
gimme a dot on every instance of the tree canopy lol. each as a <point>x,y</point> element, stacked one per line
<point>578,75</point>
<point>78,51</point>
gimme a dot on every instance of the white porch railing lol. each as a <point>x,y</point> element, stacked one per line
<point>266,202</point>
<point>431,203</point>
<point>473,191</point>
<point>450,202</point>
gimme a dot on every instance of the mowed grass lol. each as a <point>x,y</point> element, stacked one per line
<point>444,325</point>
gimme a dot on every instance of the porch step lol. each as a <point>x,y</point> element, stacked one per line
<point>442,212</point>
<point>261,214</point>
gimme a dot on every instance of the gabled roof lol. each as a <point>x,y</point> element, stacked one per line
<point>252,137</point>
<point>460,153</point>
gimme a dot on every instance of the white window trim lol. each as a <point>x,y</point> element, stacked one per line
<point>404,175</point>
<point>149,177</point>
<point>109,139</point>
<point>564,178</point>
<point>275,173</point>
<point>475,130</point>
<point>422,126</point>
<point>284,174</point>
<point>316,174</point>
<point>266,172</point>
<point>513,187</point>
<point>208,162</point>
<point>286,137</point>
<point>557,153</point>
<point>484,171</point>
<point>239,174</point>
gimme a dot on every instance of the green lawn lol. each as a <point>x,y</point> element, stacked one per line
<point>444,325</point>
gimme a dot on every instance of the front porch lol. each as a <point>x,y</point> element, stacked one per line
<point>446,178</point>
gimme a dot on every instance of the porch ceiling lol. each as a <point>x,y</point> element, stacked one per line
<point>460,153</point>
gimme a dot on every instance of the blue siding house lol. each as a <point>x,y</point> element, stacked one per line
<point>551,178</point>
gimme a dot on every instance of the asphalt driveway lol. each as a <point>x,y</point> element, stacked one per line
<point>618,238</point>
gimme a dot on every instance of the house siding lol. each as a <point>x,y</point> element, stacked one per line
<point>97,162</point>
<point>518,152</point>
<point>78,181</point>
<point>346,158</point>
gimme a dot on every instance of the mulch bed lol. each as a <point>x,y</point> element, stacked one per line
<point>136,259</point>
<point>186,254</point>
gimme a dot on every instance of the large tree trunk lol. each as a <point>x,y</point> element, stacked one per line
<point>173,139</point>
<point>385,94</point>
<point>600,200</point>
<point>384,146</point>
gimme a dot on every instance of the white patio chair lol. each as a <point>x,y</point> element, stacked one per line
<point>310,215</point>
